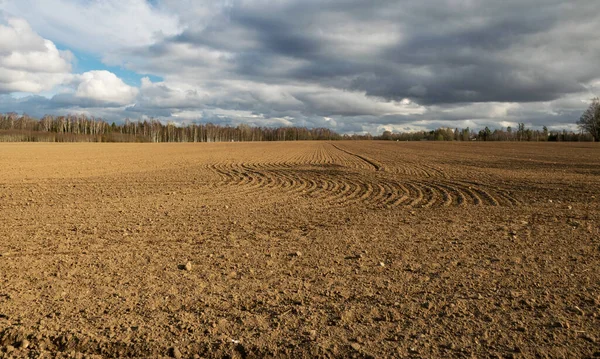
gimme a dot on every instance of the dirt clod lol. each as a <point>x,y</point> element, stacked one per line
<point>175,353</point>
<point>560,324</point>
<point>575,309</point>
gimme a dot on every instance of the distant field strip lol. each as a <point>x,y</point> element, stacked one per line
<point>340,177</point>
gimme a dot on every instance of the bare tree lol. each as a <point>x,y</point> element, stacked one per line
<point>590,120</point>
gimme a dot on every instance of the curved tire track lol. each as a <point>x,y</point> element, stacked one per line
<point>339,178</point>
<point>343,187</point>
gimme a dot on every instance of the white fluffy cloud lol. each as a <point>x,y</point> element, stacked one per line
<point>28,62</point>
<point>105,86</point>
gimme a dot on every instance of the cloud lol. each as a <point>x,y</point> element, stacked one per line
<point>32,64</point>
<point>301,100</point>
<point>105,86</point>
<point>462,52</point>
<point>28,62</point>
<point>95,26</point>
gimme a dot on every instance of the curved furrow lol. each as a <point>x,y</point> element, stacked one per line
<point>285,183</point>
<point>271,180</point>
<point>257,179</point>
<point>415,194</point>
<point>433,171</point>
<point>312,186</point>
<point>238,177</point>
<point>352,193</point>
<point>284,178</point>
<point>477,187</point>
<point>398,171</point>
<point>503,194</point>
<point>476,200</point>
<point>336,158</point>
<point>482,196</point>
<point>326,188</point>
<point>358,188</point>
<point>379,192</point>
<point>446,200</point>
<point>429,193</point>
<point>459,196</point>
<point>254,179</point>
<point>249,180</point>
<point>389,194</point>
<point>226,171</point>
<point>344,188</point>
<point>334,186</point>
<point>289,183</point>
<point>225,176</point>
<point>228,177</point>
<point>489,199</point>
<point>313,180</point>
<point>348,188</point>
<point>324,184</point>
<point>403,195</point>
<point>296,184</point>
<point>508,198</point>
<point>367,195</point>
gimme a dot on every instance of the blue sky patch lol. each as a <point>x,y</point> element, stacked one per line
<point>88,62</point>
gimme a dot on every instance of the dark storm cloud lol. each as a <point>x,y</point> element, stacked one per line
<point>280,36</point>
<point>446,52</point>
<point>470,83</point>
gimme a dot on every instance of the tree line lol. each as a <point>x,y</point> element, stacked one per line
<point>521,133</point>
<point>589,125</point>
<point>81,128</point>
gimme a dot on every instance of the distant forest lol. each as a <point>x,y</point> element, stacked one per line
<point>80,128</point>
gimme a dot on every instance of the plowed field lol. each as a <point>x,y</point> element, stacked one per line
<point>305,249</point>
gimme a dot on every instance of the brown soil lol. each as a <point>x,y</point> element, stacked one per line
<point>310,249</point>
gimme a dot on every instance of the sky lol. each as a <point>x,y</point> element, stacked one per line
<point>354,66</point>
